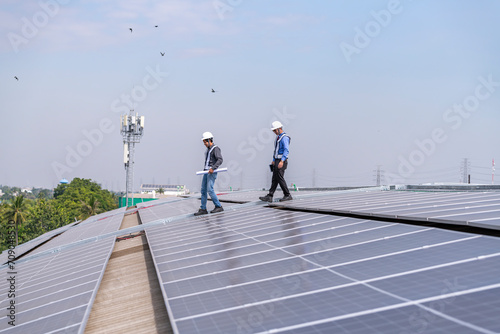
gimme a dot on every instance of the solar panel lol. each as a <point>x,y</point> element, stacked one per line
<point>257,269</point>
<point>67,234</point>
<point>246,196</point>
<point>169,207</point>
<point>55,291</point>
<point>459,208</point>
<point>404,320</point>
<point>91,227</point>
<point>25,247</point>
<point>241,196</point>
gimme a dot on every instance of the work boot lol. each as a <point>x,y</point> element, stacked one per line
<point>266,198</point>
<point>286,198</point>
<point>217,209</point>
<point>201,212</point>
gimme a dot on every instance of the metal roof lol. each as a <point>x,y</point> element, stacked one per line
<point>344,262</point>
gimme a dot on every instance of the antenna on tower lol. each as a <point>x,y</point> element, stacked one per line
<point>132,129</point>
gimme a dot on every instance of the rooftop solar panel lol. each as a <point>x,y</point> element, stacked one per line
<point>91,227</point>
<point>169,207</point>
<point>241,196</point>
<point>463,208</point>
<point>257,269</point>
<point>67,234</point>
<point>404,320</point>
<point>246,196</point>
<point>55,291</point>
<point>27,246</point>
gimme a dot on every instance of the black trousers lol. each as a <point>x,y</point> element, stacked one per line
<point>279,178</point>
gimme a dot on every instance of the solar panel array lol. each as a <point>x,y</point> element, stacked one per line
<point>253,195</point>
<point>55,283</point>
<point>165,208</point>
<point>91,227</point>
<point>259,269</point>
<point>25,247</point>
<point>460,208</point>
<point>54,292</point>
<point>256,269</point>
<point>241,196</point>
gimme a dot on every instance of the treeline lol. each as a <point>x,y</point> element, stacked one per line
<point>9,193</point>
<point>35,214</point>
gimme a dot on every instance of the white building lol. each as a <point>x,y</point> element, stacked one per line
<point>168,189</point>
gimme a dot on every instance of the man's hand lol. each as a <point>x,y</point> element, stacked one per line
<point>280,165</point>
<point>210,171</point>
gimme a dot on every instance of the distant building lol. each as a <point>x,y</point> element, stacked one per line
<point>27,190</point>
<point>168,189</point>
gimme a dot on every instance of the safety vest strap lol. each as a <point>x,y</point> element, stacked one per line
<point>207,159</point>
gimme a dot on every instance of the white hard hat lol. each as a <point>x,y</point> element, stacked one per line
<point>276,125</point>
<point>207,135</point>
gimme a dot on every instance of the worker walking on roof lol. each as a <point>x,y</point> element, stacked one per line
<point>213,159</point>
<point>279,163</point>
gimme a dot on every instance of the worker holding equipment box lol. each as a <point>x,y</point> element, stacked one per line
<point>279,163</point>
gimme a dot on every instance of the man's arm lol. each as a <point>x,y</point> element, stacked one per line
<point>286,142</point>
<point>218,156</point>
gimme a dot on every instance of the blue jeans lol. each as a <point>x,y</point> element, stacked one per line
<point>208,181</point>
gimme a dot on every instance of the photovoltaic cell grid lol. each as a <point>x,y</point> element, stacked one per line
<point>25,247</point>
<point>253,195</point>
<point>156,202</point>
<point>54,292</point>
<point>241,196</point>
<point>460,208</point>
<point>169,207</point>
<point>91,227</point>
<point>258,269</point>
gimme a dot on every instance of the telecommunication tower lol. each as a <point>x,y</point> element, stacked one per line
<point>465,169</point>
<point>379,176</point>
<point>493,171</point>
<point>132,129</point>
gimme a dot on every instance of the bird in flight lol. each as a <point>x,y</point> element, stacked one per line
<point>213,91</point>
<point>130,29</point>
<point>16,78</point>
<point>156,26</point>
<point>162,53</point>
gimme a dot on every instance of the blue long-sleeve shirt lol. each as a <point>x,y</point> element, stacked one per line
<point>281,151</point>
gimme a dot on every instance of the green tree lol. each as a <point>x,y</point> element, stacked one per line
<point>161,191</point>
<point>90,207</point>
<point>60,189</point>
<point>42,193</point>
<point>7,193</point>
<point>79,199</point>
<point>16,211</point>
<point>45,215</point>
<point>3,226</point>
<point>71,196</point>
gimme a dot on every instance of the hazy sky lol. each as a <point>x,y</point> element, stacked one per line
<point>410,86</point>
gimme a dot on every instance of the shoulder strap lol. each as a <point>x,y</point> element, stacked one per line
<point>284,135</point>
<point>207,160</point>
